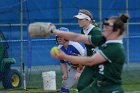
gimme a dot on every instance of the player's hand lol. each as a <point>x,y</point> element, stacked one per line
<point>60,55</point>
<point>65,76</point>
<point>77,75</point>
<point>41,29</point>
<point>80,68</point>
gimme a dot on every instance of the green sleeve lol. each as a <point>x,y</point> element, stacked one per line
<point>96,31</point>
<point>107,53</point>
<point>96,40</point>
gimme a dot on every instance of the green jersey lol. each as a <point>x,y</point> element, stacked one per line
<point>94,32</point>
<point>113,52</point>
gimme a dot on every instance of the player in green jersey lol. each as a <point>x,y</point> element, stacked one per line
<point>89,27</point>
<point>109,55</point>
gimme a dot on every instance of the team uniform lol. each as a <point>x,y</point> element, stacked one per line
<point>74,48</point>
<point>104,77</point>
<point>88,71</point>
<point>108,76</point>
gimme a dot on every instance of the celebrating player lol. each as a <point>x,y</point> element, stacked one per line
<point>71,72</point>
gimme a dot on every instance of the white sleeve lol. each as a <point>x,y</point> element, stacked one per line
<point>59,46</point>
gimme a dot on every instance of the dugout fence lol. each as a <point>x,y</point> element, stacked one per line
<point>34,53</point>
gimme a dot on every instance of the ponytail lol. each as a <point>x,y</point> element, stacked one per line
<point>94,22</point>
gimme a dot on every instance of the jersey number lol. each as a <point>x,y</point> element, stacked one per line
<point>101,69</point>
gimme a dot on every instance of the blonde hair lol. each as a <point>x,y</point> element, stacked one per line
<point>86,12</point>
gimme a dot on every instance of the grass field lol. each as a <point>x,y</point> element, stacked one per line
<point>130,79</point>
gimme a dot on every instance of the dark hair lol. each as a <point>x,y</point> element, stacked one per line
<point>56,38</point>
<point>119,22</point>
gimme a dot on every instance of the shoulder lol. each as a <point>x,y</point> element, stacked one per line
<point>78,47</point>
<point>96,28</point>
<point>95,31</point>
<point>76,44</point>
<point>114,50</point>
<point>96,40</point>
<point>115,47</point>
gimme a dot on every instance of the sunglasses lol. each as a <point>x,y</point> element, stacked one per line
<point>108,24</point>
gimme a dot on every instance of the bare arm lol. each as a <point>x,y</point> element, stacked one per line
<point>97,58</point>
<point>64,68</point>
<point>72,36</point>
<point>41,29</point>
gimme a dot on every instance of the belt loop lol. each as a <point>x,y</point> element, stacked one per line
<point>99,83</point>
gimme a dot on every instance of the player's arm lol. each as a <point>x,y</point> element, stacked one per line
<point>72,36</point>
<point>64,68</point>
<point>64,71</point>
<point>97,58</point>
<point>41,29</point>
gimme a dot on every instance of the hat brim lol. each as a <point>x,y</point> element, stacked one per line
<point>79,17</point>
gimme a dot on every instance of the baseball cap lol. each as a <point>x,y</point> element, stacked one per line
<point>82,16</point>
<point>62,29</point>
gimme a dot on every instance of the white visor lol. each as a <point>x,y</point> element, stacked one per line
<point>82,16</point>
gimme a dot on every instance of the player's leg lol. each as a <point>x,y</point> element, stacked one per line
<point>89,89</point>
<point>86,78</point>
<point>67,84</point>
